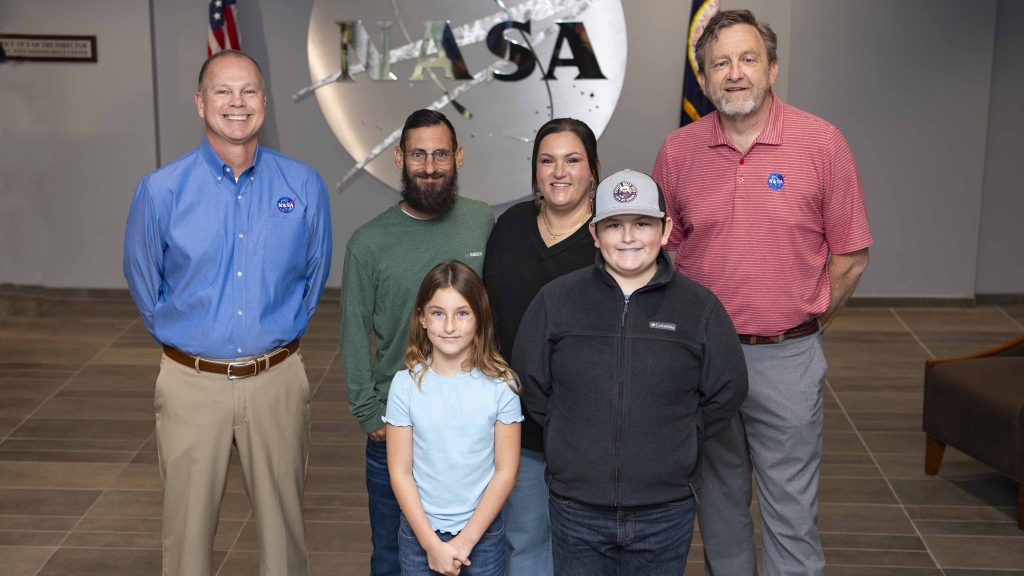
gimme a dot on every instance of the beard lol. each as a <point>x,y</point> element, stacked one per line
<point>436,197</point>
<point>751,103</point>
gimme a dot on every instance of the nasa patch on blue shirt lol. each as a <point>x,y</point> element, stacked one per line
<point>285,204</point>
<point>775,180</point>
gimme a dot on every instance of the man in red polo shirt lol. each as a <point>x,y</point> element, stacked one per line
<point>771,218</point>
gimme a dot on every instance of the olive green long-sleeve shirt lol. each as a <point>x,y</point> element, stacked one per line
<point>385,262</point>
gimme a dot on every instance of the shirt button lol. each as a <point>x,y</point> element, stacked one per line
<point>239,273</point>
<point>239,196</point>
<point>239,312</point>
<point>219,178</point>
<point>241,235</point>
<point>239,350</point>
<point>740,179</point>
<point>741,161</point>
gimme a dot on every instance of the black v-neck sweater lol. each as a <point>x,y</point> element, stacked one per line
<point>517,265</point>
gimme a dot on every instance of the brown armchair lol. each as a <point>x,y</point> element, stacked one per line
<point>976,404</point>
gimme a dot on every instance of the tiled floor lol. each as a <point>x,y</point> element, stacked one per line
<point>80,490</point>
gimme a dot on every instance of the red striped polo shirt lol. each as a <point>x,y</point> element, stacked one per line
<point>757,228</point>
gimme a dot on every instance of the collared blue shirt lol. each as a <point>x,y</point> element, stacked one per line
<point>221,268</point>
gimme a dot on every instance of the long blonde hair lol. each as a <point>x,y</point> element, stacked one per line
<point>483,353</point>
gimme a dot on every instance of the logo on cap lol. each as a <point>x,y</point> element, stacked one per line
<point>775,180</point>
<point>624,192</point>
<point>285,204</point>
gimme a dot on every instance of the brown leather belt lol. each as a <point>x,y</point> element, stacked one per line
<point>805,329</point>
<point>238,368</point>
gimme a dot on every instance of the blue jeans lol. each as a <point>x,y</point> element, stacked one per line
<point>384,511</point>
<point>526,520</point>
<point>486,559</point>
<point>606,541</point>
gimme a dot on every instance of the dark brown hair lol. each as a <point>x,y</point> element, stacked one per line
<point>426,118</point>
<point>586,136</point>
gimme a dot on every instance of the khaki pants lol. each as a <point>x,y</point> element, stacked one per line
<point>198,417</point>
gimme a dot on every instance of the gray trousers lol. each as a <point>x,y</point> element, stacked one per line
<point>777,433</point>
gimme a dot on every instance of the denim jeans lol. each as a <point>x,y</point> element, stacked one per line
<point>384,511</point>
<point>486,559</point>
<point>606,541</point>
<point>526,520</point>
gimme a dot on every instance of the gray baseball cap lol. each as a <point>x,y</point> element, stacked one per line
<point>628,192</point>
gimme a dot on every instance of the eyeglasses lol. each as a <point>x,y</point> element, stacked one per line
<point>419,156</point>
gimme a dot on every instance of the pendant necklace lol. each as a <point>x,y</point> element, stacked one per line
<point>556,236</point>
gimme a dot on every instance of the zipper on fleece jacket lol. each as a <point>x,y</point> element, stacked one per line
<point>620,415</point>
<point>621,375</point>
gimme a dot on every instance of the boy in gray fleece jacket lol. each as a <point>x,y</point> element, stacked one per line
<point>628,366</point>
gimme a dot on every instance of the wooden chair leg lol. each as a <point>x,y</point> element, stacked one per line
<point>933,456</point>
<point>1020,506</point>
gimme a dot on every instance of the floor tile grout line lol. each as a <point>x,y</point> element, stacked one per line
<point>932,356</point>
<point>1011,318</point>
<point>912,333</point>
<point>997,522</point>
<point>885,477</point>
<point>922,524</point>
<point>135,454</point>
<point>106,347</point>
<point>312,394</point>
<point>323,376</point>
<point>66,381</point>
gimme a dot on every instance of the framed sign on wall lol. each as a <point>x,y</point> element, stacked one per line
<point>39,47</point>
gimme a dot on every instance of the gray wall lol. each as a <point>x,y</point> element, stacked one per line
<point>913,102</point>
<point>74,139</point>
<point>1001,242</point>
<point>909,82</point>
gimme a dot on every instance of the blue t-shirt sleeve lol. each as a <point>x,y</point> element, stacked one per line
<point>509,410</point>
<point>397,413</point>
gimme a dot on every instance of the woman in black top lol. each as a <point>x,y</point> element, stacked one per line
<point>532,243</point>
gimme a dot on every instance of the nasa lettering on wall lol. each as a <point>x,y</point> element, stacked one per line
<point>498,70</point>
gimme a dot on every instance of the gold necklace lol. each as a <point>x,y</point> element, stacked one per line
<point>556,236</point>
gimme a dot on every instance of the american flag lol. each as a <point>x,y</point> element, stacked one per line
<point>223,32</point>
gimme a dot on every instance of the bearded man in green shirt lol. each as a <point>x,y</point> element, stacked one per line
<point>385,262</point>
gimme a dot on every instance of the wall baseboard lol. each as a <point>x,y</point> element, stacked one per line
<point>936,301</point>
<point>64,293</point>
<point>1000,299</point>
<point>911,301</point>
<point>334,295</point>
<point>331,295</point>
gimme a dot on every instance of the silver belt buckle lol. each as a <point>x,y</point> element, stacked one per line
<point>241,365</point>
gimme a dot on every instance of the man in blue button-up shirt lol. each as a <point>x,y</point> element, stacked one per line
<point>226,253</point>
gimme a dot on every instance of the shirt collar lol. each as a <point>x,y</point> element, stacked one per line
<point>771,134</point>
<point>217,166</point>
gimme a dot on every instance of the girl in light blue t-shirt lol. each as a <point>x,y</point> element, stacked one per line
<point>452,431</point>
